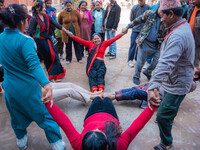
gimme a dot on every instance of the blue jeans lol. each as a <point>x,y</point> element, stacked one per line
<point>144,52</point>
<point>132,49</point>
<point>113,46</point>
<point>131,94</point>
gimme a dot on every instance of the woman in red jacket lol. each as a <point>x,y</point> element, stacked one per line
<point>101,127</point>
<point>96,68</point>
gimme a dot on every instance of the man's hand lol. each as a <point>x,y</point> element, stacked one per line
<point>113,30</point>
<point>124,30</point>
<point>193,87</point>
<point>153,98</point>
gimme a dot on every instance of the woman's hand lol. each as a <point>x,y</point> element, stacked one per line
<point>70,34</point>
<point>47,94</point>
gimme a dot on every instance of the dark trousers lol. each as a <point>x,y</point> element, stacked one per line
<point>97,73</point>
<point>105,106</point>
<point>131,94</point>
<point>59,46</point>
<point>167,111</point>
<point>69,50</point>
<point>132,49</point>
<point>102,36</point>
<point>82,47</point>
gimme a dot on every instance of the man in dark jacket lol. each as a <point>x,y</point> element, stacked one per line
<point>110,24</point>
<point>194,21</point>
<point>136,11</point>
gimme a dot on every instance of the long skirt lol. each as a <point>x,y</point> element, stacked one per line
<point>48,53</point>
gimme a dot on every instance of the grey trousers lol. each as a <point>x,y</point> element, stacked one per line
<point>144,52</point>
<point>67,89</point>
<point>197,57</point>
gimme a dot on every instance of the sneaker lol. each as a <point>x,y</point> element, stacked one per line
<point>80,61</point>
<point>108,54</point>
<point>130,64</point>
<point>136,80</point>
<point>61,57</point>
<point>143,104</point>
<point>112,56</point>
<point>146,74</point>
<point>146,65</point>
<point>68,62</point>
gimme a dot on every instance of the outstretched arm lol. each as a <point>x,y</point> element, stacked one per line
<point>63,121</point>
<point>110,41</point>
<point>126,137</point>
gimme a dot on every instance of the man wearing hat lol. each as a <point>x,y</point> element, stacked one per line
<point>174,71</point>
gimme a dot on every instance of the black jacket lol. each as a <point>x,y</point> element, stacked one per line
<point>113,18</point>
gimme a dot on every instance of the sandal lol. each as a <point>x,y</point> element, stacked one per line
<point>163,147</point>
<point>22,148</point>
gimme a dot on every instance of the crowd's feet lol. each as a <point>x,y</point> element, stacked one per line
<point>131,63</point>
<point>61,57</point>
<point>111,55</point>
<point>163,147</point>
<point>146,74</point>
<point>136,80</point>
<point>146,65</point>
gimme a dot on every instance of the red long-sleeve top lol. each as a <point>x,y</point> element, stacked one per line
<point>97,121</point>
<point>91,45</point>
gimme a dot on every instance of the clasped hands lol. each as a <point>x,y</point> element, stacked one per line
<point>153,98</point>
<point>47,95</point>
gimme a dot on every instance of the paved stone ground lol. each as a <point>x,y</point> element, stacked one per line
<point>186,130</point>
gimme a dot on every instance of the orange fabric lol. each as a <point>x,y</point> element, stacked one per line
<point>192,19</point>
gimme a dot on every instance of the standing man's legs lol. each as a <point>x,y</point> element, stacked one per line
<point>167,111</point>
<point>197,57</point>
<point>133,45</point>
<point>108,37</point>
<point>68,50</point>
<point>154,62</point>
<point>113,46</point>
<point>141,59</point>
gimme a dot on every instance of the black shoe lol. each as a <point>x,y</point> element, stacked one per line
<point>146,74</point>
<point>108,54</point>
<point>112,56</point>
<point>136,80</point>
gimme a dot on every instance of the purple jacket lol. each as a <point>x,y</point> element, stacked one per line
<point>89,16</point>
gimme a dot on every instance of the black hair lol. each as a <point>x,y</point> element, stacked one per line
<point>37,4</point>
<point>67,1</point>
<point>95,140</point>
<point>1,1</point>
<point>178,11</point>
<point>97,35</point>
<point>93,3</point>
<point>23,5</point>
<point>13,15</point>
<point>47,0</point>
<point>98,2</point>
<point>82,3</point>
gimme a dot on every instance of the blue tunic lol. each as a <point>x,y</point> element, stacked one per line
<point>22,76</point>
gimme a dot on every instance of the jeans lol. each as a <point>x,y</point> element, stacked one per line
<point>113,46</point>
<point>132,49</point>
<point>166,113</point>
<point>144,52</point>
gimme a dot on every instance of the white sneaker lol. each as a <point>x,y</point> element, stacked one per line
<point>146,65</point>
<point>130,63</point>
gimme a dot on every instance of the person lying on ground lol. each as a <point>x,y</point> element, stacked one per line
<point>101,126</point>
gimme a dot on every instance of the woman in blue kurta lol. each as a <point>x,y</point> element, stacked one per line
<point>22,76</point>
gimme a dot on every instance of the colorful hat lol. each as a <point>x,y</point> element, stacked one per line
<point>169,4</point>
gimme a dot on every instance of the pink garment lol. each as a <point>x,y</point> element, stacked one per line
<point>89,16</point>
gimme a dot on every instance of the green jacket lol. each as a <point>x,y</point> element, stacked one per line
<point>149,17</point>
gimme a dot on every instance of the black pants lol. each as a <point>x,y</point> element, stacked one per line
<point>97,73</point>
<point>102,36</point>
<point>59,46</point>
<point>69,50</point>
<point>82,50</point>
<point>98,105</point>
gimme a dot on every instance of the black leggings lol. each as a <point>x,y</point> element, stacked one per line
<point>98,105</point>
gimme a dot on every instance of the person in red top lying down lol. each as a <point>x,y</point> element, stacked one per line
<point>101,126</point>
<point>96,68</point>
